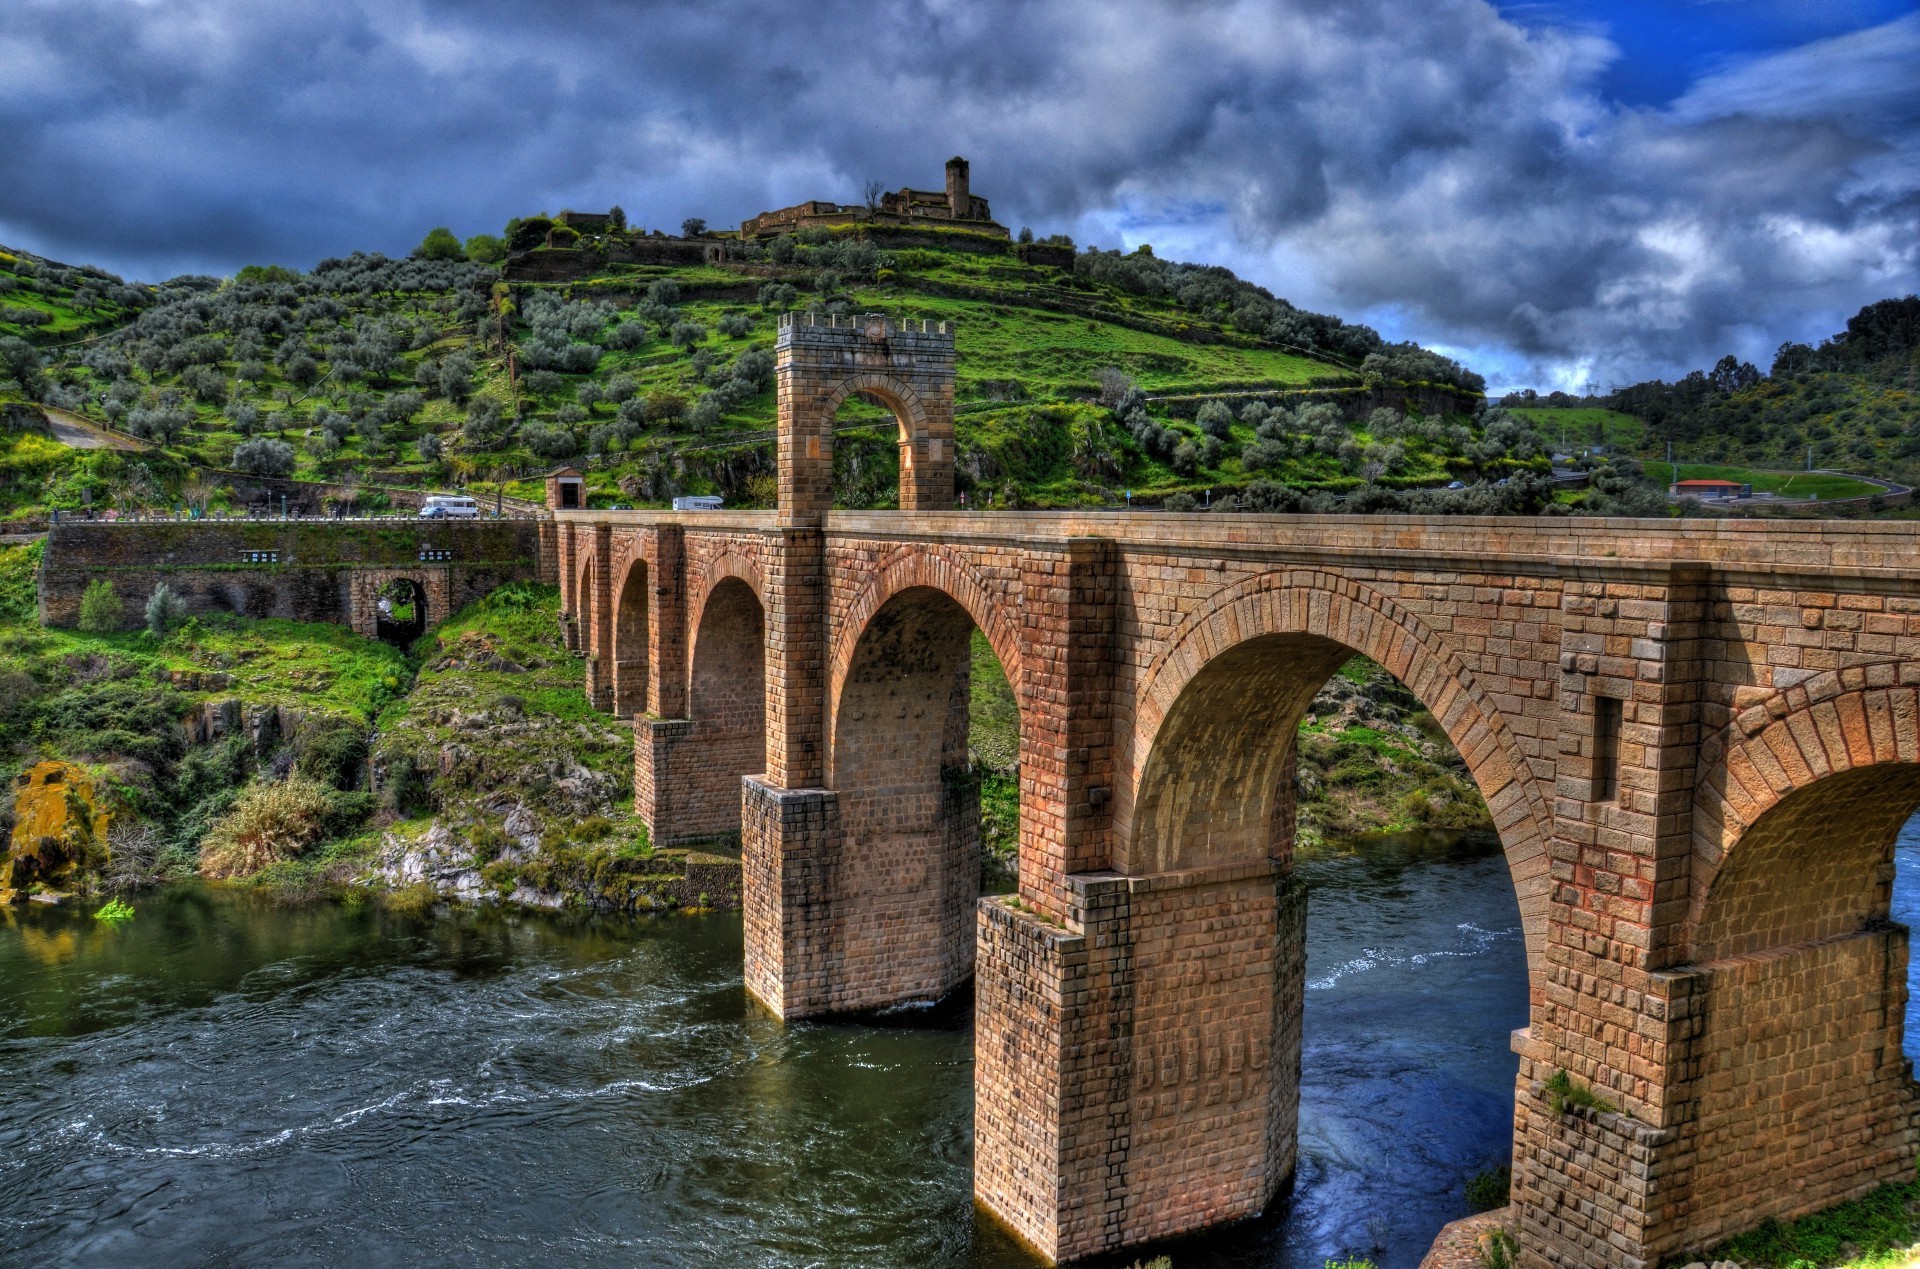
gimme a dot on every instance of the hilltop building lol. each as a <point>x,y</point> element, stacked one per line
<point>957,207</point>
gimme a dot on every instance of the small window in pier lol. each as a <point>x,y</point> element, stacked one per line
<point>1606,748</point>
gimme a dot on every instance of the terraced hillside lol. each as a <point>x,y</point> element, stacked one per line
<point>1080,379</point>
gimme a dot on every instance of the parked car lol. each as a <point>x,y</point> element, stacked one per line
<point>449,507</point>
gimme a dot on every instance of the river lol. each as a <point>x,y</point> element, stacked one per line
<point>222,1081</point>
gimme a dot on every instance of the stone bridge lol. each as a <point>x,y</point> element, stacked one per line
<point>1698,740</point>
<point>304,570</point>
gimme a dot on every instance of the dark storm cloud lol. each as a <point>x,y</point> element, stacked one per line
<point>1429,166</point>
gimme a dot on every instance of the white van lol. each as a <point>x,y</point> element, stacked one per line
<point>449,507</point>
<point>698,502</point>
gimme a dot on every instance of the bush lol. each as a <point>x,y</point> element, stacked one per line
<point>164,611</point>
<point>269,823</point>
<point>1489,1189</point>
<point>1215,419</point>
<point>334,754</point>
<point>99,608</point>
<point>264,456</point>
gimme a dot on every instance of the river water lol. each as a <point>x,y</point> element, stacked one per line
<point>220,1081</point>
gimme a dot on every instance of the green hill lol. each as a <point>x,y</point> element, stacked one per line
<point>1080,378</point>
<point>1852,403</point>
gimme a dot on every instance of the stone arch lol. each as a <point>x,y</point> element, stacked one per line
<point>1267,645</point>
<point>583,606</point>
<point>720,568</point>
<point>936,568</point>
<point>726,706</point>
<point>629,653</point>
<point>1794,987</point>
<point>924,449</point>
<point>907,366</point>
<point>905,881</point>
<point>1811,784</point>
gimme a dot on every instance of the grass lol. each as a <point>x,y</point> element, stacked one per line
<point>1563,1095</point>
<point>1787,484</point>
<point>1573,429</point>
<point>1880,1231</point>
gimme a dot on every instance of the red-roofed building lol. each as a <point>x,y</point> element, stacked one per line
<point>1709,489</point>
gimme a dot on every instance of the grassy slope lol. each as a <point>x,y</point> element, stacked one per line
<point>27,282</point>
<point>1026,431</point>
<point>117,702</point>
<point>1574,429</point>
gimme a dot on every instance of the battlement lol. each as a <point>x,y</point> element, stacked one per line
<point>833,327</point>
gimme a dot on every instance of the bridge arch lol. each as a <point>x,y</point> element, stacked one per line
<point>905,879</point>
<point>629,652</point>
<point>710,574</point>
<point>1236,679</point>
<point>937,568</point>
<point>583,599</point>
<point>1840,752</point>
<point>1792,954</point>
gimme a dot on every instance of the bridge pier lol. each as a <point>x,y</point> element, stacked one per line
<point>1138,1067</point>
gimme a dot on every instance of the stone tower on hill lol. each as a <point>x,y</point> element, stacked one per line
<point>956,207</point>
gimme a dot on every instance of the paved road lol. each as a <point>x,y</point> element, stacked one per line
<point>71,429</point>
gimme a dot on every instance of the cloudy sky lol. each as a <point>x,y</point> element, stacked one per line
<point>1562,193</point>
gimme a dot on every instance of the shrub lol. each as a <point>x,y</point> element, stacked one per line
<point>1489,1189</point>
<point>334,753</point>
<point>269,823</point>
<point>165,610</point>
<point>1215,419</point>
<point>99,608</point>
<point>264,456</point>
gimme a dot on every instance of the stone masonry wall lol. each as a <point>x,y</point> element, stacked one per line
<point>1803,1097</point>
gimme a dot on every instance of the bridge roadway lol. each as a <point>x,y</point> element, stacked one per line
<point>1698,740</point>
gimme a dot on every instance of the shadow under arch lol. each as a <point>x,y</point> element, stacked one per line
<point>1797,1088</point>
<point>400,613</point>
<point>726,706</point>
<point>629,653</point>
<point>905,881</point>
<point>1217,716</point>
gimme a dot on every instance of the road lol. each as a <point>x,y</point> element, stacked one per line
<point>71,429</point>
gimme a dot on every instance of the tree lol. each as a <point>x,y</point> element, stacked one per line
<point>198,490</point>
<point>440,244</point>
<point>99,607</point>
<point>485,249</point>
<point>617,217</point>
<point>165,610</point>
<point>21,363</point>
<point>872,192</point>
<point>1215,419</point>
<point>264,456</point>
<point>693,227</point>
<point>1114,384</point>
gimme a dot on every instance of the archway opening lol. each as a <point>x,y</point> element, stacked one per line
<point>1385,1008</point>
<point>400,611</point>
<point>867,434</point>
<point>630,644</point>
<point>726,708</point>
<point>1800,975</point>
<point>913,747</point>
